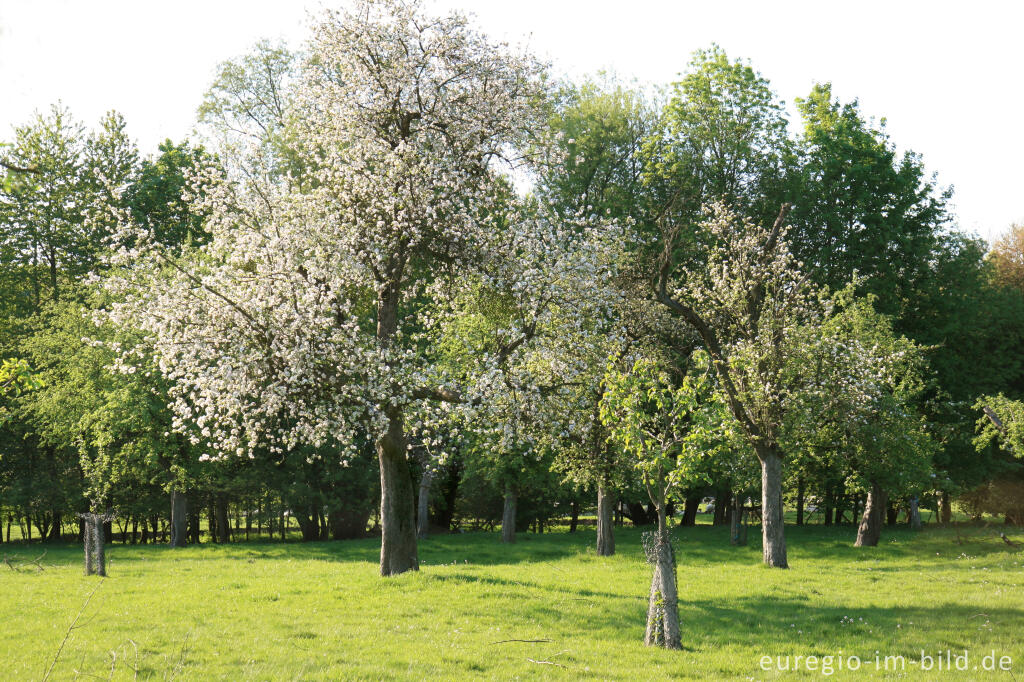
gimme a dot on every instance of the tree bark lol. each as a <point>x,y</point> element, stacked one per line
<point>87,536</point>
<point>179,519</point>
<point>574,518</point>
<point>508,517</point>
<point>423,506</point>
<point>800,500</point>
<point>772,524</point>
<point>663,604</point>
<point>605,522</point>
<point>737,530</point>
<point>398,552</point>
<point>98,549</point>
<point>723,502</point>
<point>690,510</point>
<point>223,525</point>
<point>945,509</point>
<point>870,529</point>
<point>915,513</point>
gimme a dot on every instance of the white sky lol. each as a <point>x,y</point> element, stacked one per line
<point>947,76</point>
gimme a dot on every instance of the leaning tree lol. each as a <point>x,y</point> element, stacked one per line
<point>319,309</point>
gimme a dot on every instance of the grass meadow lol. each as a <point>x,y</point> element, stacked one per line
<point>318,611</point>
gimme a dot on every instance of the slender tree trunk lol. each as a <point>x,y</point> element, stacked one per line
<point>737,530</point>
<point>663,604</point>
<point>87,536</point>
<point>423,506</point>
<point>574,519</point>
<point>772,524</point>
<point>915,513</point>
<point>179,519</point>
<point>870,529</point>
<point>800,500</point>
<point>945,509</point>
<point>508,517</point>
<point>892,514</point>
<point>605,522</point>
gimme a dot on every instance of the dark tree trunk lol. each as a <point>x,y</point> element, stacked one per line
<point>574,518</point>
<point>398,552</point>
<point>892,514</point>
<point>800,500</point>
<point>945,509</point>
<point>737,527</point>
<point>223,524</point>
<point>723,502</point>
<point>211,521</point>
<point>423,506</point>
<point>870,529</point>
<point>605,522</point>
<point>98,548</point>
<point>508,516</point>
<point>179,519</point>
<point>772,524</point>
<point>663,604</point>
<point>193,525</point>
<point>346,525</point>
<point>308,524</point>
<point>915,513</point>
<point>690,510</point>
<point>829,505</point>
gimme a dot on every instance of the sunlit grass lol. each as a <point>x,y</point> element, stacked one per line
<point>319,611</point>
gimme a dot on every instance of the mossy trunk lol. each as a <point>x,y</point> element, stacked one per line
<point>773,530</point>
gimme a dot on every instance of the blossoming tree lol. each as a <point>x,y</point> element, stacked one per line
<point>320,308</point>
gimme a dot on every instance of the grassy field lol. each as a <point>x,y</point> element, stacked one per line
<point>318,611</point>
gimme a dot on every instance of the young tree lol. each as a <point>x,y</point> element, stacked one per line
<point>667,425</point>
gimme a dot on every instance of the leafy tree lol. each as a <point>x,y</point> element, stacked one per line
<point>667,425</point>
<point>307,324</point>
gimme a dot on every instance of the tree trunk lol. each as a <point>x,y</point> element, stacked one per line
<point>723,502</point>
<point>737,529</point>
<point>398,552</point>
<point>892,514</point>
<point>870,529</point>
<point>663,604</point>
<point>945,509</point>
<point>772,524</point>
<point>800,500</point>
<point>98,549</point>
<point>605,522</point>
<point>690,510</point>
<point>423,506</point>
<point>223,524</point>
<point>574,518</point>
<point>87,536</point>
<point>179,519</point>
<point>508,517</point>
<point>915,513</point>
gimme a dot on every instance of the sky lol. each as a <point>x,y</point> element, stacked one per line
<point>946,76</point>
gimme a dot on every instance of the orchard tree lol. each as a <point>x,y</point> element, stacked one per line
<point>315,311</point>
<point>667,425</point>
<point>747,302</point>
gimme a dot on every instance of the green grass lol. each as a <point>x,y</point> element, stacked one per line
<point>319,611</point>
